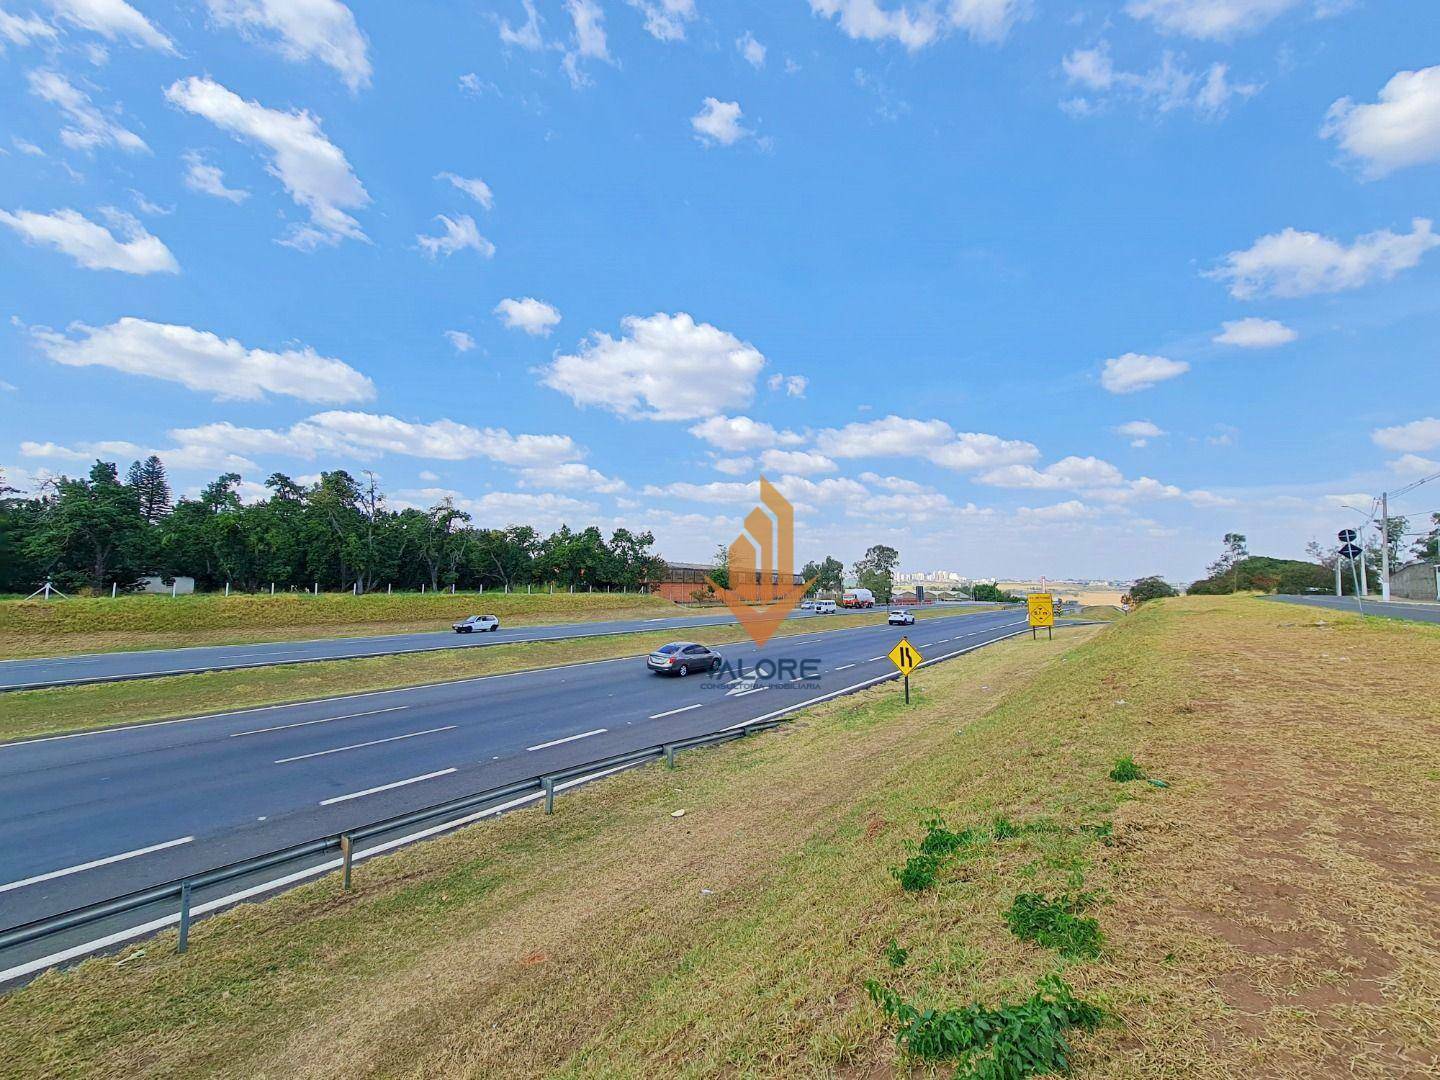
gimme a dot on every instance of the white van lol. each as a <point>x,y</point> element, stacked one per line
<point>824,607</point>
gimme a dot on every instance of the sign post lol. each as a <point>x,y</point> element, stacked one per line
<point>1352,551</point>
<point>906,658</point>
<point>1041,607</point>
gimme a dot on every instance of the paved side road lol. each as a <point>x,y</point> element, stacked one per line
<point>95,815</point>
<point>1395,609</point>
<point>33,674</point>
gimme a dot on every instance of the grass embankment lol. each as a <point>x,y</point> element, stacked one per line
<point>28,713</point>
<point>99,624</point>
<point>1272,912</point>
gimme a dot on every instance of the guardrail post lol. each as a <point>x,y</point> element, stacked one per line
<point>669,755</point>
<point>184,942</point>
<point>548,783</point>
<point>347,847</point>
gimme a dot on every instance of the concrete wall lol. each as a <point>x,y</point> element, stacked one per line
<point>1413,581</point>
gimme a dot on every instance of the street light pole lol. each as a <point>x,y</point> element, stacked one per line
<point>1385,546</point>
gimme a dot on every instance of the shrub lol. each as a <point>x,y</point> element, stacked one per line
<point>1126,770</point>
<point>1056,924</point>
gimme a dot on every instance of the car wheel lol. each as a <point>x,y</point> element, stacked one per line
<point>683,671</point>
<point>715,664</point>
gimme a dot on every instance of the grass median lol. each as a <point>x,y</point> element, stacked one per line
<point>30,713</point>
<point>1269,911</point>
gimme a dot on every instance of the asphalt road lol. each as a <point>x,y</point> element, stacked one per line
<point>1395,609</point>
<point>32,674</point>
<point>98,814</point>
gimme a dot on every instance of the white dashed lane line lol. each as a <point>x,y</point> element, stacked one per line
<point>323,720</point>
<point>843,667</point>
<point>384,787</point>
<point>362,745</point>
<point>672,712</point>
<point>568,738</point>
<point>93,864</point>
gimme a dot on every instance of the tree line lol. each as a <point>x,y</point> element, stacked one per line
<point>100,530</point>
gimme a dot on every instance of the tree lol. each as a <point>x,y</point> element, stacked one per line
<point>720,567</point>
<point>876,571</point>
<point>992,594</point>
<point>1394,537</point>
<point>91,532</point>
<point>1428,545</point>
<point>1229,560</point>
<point>151,486</point>
<point>1151,588</point>
<point>827,575</point>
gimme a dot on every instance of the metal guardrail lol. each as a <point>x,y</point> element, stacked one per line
<point>460,811</point>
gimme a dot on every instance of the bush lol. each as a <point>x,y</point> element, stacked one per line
<point>1056,924</point>
<point>1126,770</point>
<point>1151,588</point>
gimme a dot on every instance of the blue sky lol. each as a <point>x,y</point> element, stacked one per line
<point>1019,287</point>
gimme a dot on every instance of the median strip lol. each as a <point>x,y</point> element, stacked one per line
<point>362,745</point>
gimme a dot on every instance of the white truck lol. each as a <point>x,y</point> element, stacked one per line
<point>857,598</point>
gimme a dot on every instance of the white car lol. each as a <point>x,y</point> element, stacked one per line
<point>901,617</point>
<point>477,624</point>
<point>806,605</point>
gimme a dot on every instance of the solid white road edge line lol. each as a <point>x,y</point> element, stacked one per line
<point>362,745</point>
<point>32,966</point>
<point>322,720</point>
<point>385,787</point>
<point>672,712</point>
<point>568,738</point>
<point>94,863</point>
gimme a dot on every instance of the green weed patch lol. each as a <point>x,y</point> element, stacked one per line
<point>1057,923</point>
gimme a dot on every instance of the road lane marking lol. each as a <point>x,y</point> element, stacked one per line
<point>361,745</point>
<point>385,787</point>
<point>94,863</point>
<point>752,690</point>
<point>568,738</point>
<point>843,667</point>
<point>873,659</point>
<point>672,712</point>
<point>323,720</point>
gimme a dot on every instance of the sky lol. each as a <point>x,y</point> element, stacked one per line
<point>1018,287</point>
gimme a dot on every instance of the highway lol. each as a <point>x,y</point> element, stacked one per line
<point>1395,609</point>
<point>33,674</point>
<point>93,815</point>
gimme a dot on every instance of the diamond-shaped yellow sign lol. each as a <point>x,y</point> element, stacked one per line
<point>905,656</point>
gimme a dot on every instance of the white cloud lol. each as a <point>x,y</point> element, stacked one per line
<point>204,361</point>
<point>209,179</point>
<point>535,317</point>
<point>569,476</point>
<point>1139,432</point>
<point>83,452</point>
<point>1136,371</point>
<point>93,246</point>
<point>719,122</point>
<point>544,510</point>
<point>428,476</point>
<point>462,341</point>
<point>460,233</point>
<point>1416,436</point>
<point>1292,264</point>
<point>1070,510</point>
<point>25,146</point>
<point>588,40</point>
<point>916,25</point>
<point>312,168</point>
<point>935,440</point>
<point>1408,465</point>
<point>145,206</point>
<point>1399,130</point>
<point>1211,20</point>
<point>734,466</point>
<point>89,127</point>
<point>1166,87</point>
<point>799,462</point>
<point>740,433</point>
<point>364,434</point>
<point>321,30</point>
<point>23,29</point>
<point>526,36</point>
<point>1071,472</point>
<point>477,189</point>
<point>793,385</point>
<point>1255,334</point>
<point>665,19</point>
<point>751,50</point>
<point>113,20</point>
<point>665,367</point>
<point>175,457</point>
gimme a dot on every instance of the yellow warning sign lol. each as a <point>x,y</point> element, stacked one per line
<point>905,656</point>
<point>1042,610</point>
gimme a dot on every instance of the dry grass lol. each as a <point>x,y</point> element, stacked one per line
<point>28,713</point>
<point>1273,912</point>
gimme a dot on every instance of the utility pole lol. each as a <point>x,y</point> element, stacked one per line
<point>1385,546</point>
